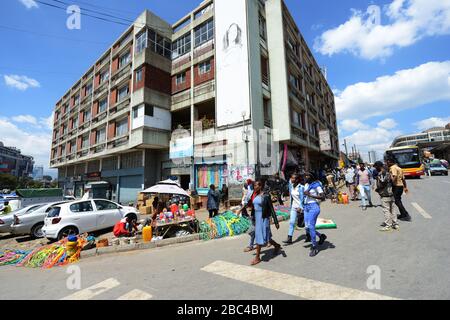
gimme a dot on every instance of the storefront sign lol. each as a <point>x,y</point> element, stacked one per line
<point>232,62</point>
<point>93,175</point>
<point>238,174</point>
<point>325,140</point>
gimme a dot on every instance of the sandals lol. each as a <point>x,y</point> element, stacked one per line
<point>255,262</point>
<point>248,249</point>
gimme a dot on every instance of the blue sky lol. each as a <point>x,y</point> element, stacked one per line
<point>407,45</point>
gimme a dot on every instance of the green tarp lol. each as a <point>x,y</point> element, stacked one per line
<point>39,193</point>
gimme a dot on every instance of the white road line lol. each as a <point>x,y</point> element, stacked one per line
<point>94,290</point>
<point>425,214</point>
<point>136,294</point>
<point>289,284</point>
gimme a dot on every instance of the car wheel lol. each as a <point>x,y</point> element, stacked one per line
<point>67,231</point>
<point>36,231</point>
<point>132,216</point>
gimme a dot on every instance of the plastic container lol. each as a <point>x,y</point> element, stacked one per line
<point>147,234</point>
<point>345,198</point>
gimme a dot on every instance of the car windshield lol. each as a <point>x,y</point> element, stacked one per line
<point>53,212</point>
<point>436,165</point>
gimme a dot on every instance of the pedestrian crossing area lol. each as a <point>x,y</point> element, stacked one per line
<point>298,287</point>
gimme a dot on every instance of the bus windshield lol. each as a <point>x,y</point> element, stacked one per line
<point>407,158</point>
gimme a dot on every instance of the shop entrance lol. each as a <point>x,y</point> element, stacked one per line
<point>184,181</point>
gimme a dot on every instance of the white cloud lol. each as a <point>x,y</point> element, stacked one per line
<point>29,4</point>
<point>364,36</point>
<point>351,125</point>
<point>432,122</point>
<point>376,139</point>
<point>387,124</point>
<point>47,123</point>
<point>25,119</point>
<point>406,89</point>
<point>20,82</point>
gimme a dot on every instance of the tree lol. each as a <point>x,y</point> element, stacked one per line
<point>47,178</point>
<point>8,181</point>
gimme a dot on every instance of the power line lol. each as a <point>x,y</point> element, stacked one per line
<point>105,8</point>
<point>52,36</point>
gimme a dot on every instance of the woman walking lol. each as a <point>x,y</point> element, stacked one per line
<point>296,192</point>
<point>213,201</point>
<point>313,195</point>
<point>262,210</point>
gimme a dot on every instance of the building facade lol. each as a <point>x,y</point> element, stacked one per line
<point>436,135</point>
<point>13,162</point>
<point>229,91</point>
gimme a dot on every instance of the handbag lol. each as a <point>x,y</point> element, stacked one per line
<point>274,215</point>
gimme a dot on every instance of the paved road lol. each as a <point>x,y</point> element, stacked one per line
<point>413,262</point>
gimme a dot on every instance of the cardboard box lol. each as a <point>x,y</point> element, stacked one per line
<point>145,210</point>
<point>142,197</point>
<point>149,202</point>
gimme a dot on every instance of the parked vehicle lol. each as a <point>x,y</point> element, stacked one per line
<point>28,197</point>
<point>32,222</point>
<point>438,169</point>
<point>84,216</point>
<point>7,220</point>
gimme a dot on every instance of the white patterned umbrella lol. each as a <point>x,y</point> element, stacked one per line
<point>166,187</point>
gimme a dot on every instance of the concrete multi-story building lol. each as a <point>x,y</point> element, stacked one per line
<point>13,162</point>
<point>433,135</point>
<point>229,91</point>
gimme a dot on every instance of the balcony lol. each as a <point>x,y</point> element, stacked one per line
<point>120,74</point>
<point>204,48</point>
<point>122,104</point>
<point>101,89</point>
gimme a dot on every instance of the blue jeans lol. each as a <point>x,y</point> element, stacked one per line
<point>367,197</point>
<point>312,211</point>
<point>293,221</point>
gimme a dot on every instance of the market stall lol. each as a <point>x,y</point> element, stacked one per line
<point>172,209</point>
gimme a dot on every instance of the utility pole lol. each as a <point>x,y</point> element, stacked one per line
<point>345,145</point>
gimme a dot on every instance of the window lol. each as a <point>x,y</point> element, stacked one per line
<point>262,27</point>
<point>141,42</point>
<point>204,67</point>
<point>181,46</point>
<point>131,160</point>
<point>122,127</point>
<point>73,146</point>
<point>159,44</point>
<point>87,115</point>
<point>85,142</point>
<point>100,135</point>
<point>294,81</point>
<point>123,93</point>
<point>105,205</point>
<point>75,123</point>
<point>102,105</point>
<point>64,129</point>
<point>149,110</point>
<point>295,118</point>
<point>104,76</point>
<point>88,89</point>
<point>139,75</point>
<point>85,206</point>
<point>135,112</point>
<point>124,59</point>
<point>181,78</point>
<point>204,32</point>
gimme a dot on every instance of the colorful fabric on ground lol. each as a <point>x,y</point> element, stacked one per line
<point>224,225</point>
<point>12,257</point>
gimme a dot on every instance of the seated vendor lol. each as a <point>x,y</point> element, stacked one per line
<point>124,228</point>
<point>6,208</point>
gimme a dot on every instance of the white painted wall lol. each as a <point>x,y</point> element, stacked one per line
<point>161,119</point>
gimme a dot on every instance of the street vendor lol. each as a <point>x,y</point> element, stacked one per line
<point>6,208</point>
<point>124,227</point>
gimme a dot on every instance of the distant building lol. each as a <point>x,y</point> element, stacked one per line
<point>437,134</point>
<point>13,162</point>
<point>372,156</point>
<point>38,173</point>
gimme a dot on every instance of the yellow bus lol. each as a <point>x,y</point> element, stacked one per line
<point>409,159</point>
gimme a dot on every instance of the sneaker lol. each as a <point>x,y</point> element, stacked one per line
<point>322,239</point>
<point>308,238</point>
<point>364,208</point>
<point>396,227</point>
<point>386,229</point>
<point>383,225</point>
<point>288,241</point>
<point>313,252</point>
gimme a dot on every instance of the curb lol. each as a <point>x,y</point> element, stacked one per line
<point>138,246</point>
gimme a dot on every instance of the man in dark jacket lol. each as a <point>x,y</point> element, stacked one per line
<point>384,189</point>
<point>213,201</point>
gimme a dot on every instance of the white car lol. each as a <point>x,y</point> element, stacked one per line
<point>84,216</point>
<point>7,220</point>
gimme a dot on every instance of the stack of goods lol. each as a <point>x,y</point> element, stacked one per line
<point>283,212</point>
<point>144,204</point>
<point>224,225</point>
<point>12,257</point>
<point>58,254</point>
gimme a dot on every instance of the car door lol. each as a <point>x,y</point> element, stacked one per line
<point>83,216</point>
<point>108,213</point>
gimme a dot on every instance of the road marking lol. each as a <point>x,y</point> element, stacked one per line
<point>94,290</point>
<point>289,284</point>
<point>136,294</point>
<point>425,214</point>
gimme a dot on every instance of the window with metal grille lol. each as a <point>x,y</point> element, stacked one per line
<point>204,32</point>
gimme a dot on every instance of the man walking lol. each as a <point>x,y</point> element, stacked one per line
<point>364,183</point>
<point>384,189</point>
<point>350,181</point>
<point>399,185</point>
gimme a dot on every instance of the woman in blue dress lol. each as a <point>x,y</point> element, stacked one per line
<point>262,210</point>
